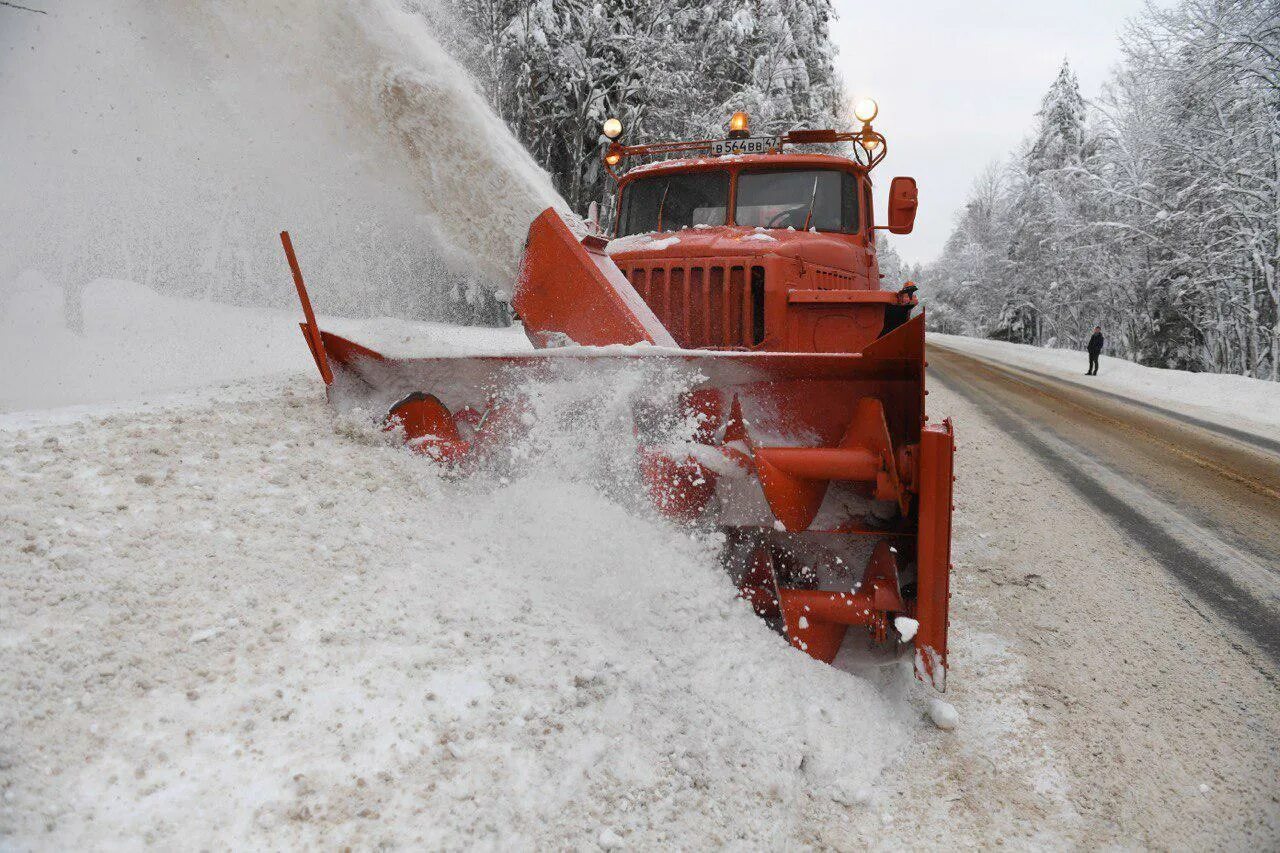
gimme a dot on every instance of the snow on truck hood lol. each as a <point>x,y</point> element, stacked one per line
<point>650,242</point>
<point>720,241</point>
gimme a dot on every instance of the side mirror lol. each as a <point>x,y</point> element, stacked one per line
<point>903,202</point>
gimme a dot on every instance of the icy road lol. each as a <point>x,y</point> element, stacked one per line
<point>1201,497</point>
<point>1131,552</point>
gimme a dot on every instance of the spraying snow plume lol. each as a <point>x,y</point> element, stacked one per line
<point>586,422</point>
<point>168,143</point>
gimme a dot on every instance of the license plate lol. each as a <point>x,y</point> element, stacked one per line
<point>750,145</point>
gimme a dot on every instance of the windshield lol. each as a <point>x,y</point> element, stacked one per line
<point>672,202</point>
<point>824,199</point>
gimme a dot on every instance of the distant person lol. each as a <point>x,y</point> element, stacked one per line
<point>1095,350</point>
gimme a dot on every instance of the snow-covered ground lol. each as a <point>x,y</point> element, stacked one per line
<point>233,618</point>
<point>136,343</point>
<point>1249,404</point>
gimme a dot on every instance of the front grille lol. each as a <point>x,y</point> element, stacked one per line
<point>711,305</point>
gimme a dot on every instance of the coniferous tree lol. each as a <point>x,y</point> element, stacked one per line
<point>1152,210</point>
<point>555,69</point>
<point>1043,213</point>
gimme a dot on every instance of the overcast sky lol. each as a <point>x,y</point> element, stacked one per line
<point>959,84</point>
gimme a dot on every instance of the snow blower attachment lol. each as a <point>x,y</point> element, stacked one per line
<point>755,276</point>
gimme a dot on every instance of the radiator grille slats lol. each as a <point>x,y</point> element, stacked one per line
<point>702,305</point>
<point>826,278</point>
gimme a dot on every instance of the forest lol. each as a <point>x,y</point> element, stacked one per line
<point>1152,210</point>
<point>556,69</point>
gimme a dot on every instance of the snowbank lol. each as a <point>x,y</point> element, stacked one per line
<point>233,622</point>
<point>1251,404</point>
<point>136,343</point>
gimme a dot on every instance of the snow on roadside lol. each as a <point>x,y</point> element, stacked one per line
<point>1216,396</point>
<point>137,342</point>
<point>236,622</point>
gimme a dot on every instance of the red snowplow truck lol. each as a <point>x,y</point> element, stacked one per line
<point>754,268</point>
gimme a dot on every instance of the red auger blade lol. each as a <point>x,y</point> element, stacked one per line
<point>795,479</point>
<point>429,428</point>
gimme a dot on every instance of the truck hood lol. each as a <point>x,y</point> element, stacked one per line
<point>839,251</point>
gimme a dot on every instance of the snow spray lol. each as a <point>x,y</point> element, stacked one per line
<point>168,144</point>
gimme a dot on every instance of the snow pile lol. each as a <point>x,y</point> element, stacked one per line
<point>135,342</point>
<point>943,714</point>
<point>1217,396</point>
<point>229,623</point>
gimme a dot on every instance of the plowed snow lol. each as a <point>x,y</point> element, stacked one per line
<point>231,622</point>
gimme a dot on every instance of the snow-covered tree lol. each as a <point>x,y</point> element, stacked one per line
<point>1046,209</point>
<point>1153,210</point>
<point>555,69</point>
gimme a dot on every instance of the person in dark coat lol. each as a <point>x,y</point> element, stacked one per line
<point>1095,350</point>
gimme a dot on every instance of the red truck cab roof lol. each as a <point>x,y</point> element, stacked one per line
<point>729,161</point>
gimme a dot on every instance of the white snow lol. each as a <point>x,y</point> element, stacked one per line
<point>678,163</point>
<point>187,135</point>
<point>295,634</point>
<point>1225,398</point>
<point>639,242</point>
<point>943,714</point>
<point>906,626</point>
<point>137,342</point>
<point>204,635</point>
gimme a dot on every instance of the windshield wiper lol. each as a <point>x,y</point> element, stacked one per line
<point>812,198</point>
<point>663,203</point>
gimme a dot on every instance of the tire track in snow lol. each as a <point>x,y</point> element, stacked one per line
<point>1239,584</point>
<point>1037,378</point>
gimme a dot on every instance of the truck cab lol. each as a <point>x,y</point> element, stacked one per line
<point>772,251</point>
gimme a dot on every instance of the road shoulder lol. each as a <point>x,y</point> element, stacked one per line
<point>1164,732</point>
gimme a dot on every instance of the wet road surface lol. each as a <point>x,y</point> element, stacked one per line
<point>1201,498</point>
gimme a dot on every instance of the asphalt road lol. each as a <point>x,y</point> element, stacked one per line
<point>1201,498</point>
